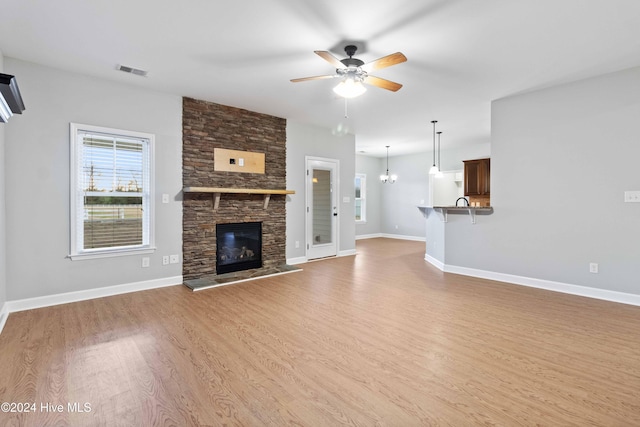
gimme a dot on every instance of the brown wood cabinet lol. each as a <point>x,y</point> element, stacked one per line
<point>477,177</point>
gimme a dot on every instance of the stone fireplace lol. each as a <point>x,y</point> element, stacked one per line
<point>208,126</point>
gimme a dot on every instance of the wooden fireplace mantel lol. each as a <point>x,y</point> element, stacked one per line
<point>217,191</point>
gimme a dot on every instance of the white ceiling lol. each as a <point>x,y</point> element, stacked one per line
<point>462,54</point>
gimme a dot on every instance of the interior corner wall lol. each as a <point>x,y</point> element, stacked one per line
<point>37,179</point>
<point>306,140</point>
<point>372,167</point>
<point>3,226</point>
<point>561,160</point>
<point>399,201</point>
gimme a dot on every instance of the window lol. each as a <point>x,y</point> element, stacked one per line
<point>111,206</point>
<point>360,198</point>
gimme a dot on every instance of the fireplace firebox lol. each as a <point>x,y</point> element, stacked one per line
<point>238,246</point>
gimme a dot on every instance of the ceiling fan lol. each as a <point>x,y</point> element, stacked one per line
<point>355,72</point>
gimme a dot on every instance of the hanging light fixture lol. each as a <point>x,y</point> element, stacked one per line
<point>434,168</point>
<point>439,174</point>
<point>386,177</point>
<point>350,87</point>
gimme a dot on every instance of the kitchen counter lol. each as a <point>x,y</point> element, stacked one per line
<point>471,210</point>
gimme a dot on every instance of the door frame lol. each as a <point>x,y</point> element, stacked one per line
<point>336,199</point>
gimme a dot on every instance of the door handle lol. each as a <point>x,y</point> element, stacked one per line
<point>335,214</point>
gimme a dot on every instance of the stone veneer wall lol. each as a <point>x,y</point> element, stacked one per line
<point>207,126</point>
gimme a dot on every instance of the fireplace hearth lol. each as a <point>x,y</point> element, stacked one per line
<point>238,246</point>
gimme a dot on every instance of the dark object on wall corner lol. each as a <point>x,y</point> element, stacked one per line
<point>10,98</point>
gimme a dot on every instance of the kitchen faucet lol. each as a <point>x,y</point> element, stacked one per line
<point>462,198</point>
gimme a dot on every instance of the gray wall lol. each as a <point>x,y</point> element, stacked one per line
<point>561,159</point>
<point>304,140</point>
<point>372,167</point>
<point>37,175</point>
<point>3,228</point>
<point>399,201</point>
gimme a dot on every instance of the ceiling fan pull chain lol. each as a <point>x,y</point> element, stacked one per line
<point>346,113</point>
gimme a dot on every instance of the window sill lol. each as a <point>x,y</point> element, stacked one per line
<point>111,254</point>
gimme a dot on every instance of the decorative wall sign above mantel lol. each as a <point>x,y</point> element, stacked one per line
<point>237,161</point>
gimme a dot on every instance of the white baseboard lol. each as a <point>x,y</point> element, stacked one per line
<point>368,236</point>
<point>391,236</point>
<point>565,288</point>
<point>302,259</point>
<point>431,260</point>
<point>298,260</point>
<point>401,237</point>
<point>348,252</point>
<point>4,314</point>
<point>49,300</point>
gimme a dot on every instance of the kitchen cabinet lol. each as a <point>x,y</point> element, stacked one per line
<point>477,177</point>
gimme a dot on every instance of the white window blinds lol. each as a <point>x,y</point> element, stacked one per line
<point>112,191</point>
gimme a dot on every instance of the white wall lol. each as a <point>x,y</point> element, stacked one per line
<point>561,159</point>
<point>304,140</point>
<point>372,167</point>
<point>37,179</point>
<point>3,229</point>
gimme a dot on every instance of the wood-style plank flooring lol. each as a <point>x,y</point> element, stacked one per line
<point>380,338</point>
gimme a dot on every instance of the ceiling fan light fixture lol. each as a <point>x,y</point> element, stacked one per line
<point>349,88</point>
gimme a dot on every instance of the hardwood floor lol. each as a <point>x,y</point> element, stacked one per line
<point>380,338</point>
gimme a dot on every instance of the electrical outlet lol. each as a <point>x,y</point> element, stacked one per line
<point>240,161</point>
<point>297,244</point>
<point>165,260</point>
<point>593,267</point>
<point>165,198</point>
<point>174,259</point>
<point>145,262</point>
<point>632,196</point>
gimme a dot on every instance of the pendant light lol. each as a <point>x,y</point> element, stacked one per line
<point>434,168</point>
<point>439,174</point>
<point>386,177</point>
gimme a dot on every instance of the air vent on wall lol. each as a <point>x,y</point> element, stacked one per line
<point>10,98</point>
<point>132,70</point>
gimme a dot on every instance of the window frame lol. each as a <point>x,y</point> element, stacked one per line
<point>76,250</point>
<point>362,198</point>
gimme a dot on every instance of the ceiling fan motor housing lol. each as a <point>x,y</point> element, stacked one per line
<point>350,50</point>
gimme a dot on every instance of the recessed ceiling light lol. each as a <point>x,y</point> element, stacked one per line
<point>131,70</point>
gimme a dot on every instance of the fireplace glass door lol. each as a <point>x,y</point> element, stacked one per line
<point>238,246</point>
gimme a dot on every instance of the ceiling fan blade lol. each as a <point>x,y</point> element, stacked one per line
<point>304,79</point>
<point>382,83</point>
<point>385,61</point>
<point>327,56</point>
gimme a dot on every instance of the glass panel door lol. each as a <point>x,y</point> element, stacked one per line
<point>322,210</point>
